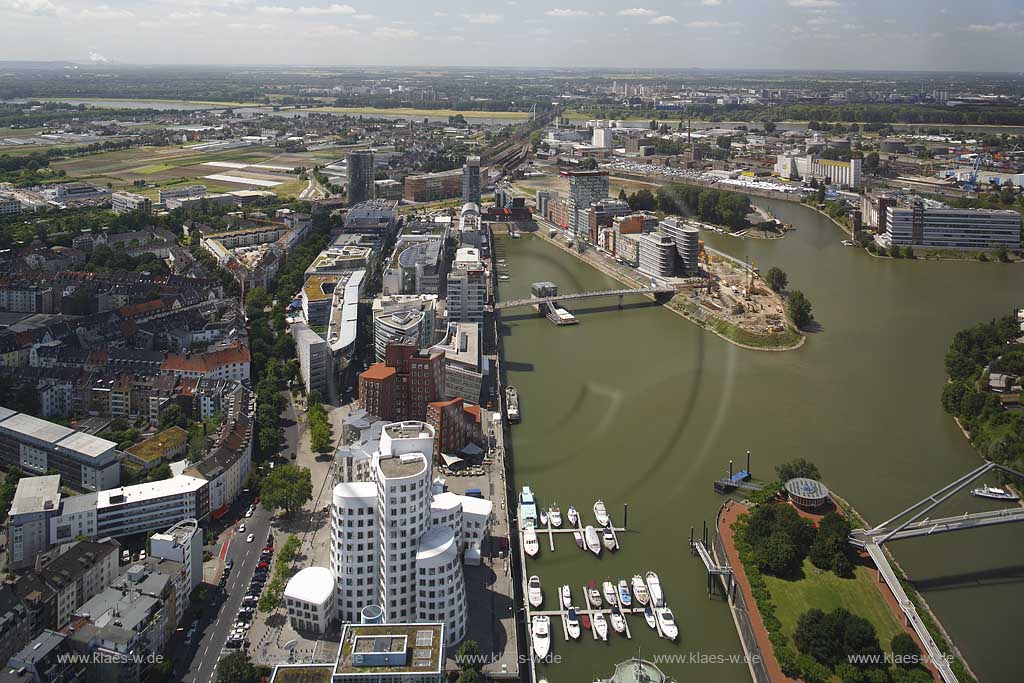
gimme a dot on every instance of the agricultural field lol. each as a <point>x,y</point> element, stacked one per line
<point>234,169</point>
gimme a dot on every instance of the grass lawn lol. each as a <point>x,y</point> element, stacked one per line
<point>826,591</point>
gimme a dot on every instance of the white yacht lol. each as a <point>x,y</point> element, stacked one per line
<point>609,593</point>
<point>534,592</point>
<point>618,621</point>
<point>593,542</point>
<point>654,589</point>
<point>530,543</point>
<point>566,593</point>
<point>608,538</point>
<point>593,596</point>
<point>600,513</point>
<point>574,517</point>
<point>541,634</point>
<point>640,590</point>
<point>572,623</point>
<point>667,622</point>
<point>649,617</point>
<point>555,517</point>
<point>994,493</point>
<point>600,625</point>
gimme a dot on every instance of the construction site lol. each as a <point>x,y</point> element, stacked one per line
<point>731,290</point>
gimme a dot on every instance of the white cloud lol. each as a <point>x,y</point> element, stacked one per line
<point>567,13</point>
<point>186,15</point>
<point>998,27</point>
<point>704,24</point>
<point>850,27</point>
<point>333,8</point>
<point>637,12</point>
<point>97,57</point>
<point>106,12</point>
<point>482,18</point>
<point>664,19</point>
<point>364,17</point>
<point>274,9</point>
<point>35,7</point>
<point>246,26</point>
<point>333,30</point>
<point>392,33</point>
<point>812,3</point>
<point>440,14</point>
<point>711,3</point>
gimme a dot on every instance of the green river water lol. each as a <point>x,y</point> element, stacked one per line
<point>639,406</point>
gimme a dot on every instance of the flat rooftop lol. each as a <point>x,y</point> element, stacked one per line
<point>303,673</point>
<point>42,430</point>
<point>34,492</point>
<point>320,287</point>
<point>423,642</point>
<point>403,466</point>
<point>151,490</point>
<point>160,444</point>
<point>87,444</point>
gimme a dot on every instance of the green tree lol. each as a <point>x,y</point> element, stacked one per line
<point>905,651</point>
<point>798,467</point>
<point>173,417</point>
<point>468,656</point>
<point>776,278</point>
<point>588,164</point>
<point>237,668</point>
<point>799,308</point>
<point>287,487</point>
<point>871,162</point>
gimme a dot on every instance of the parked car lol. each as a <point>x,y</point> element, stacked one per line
<point>248,513</point>
<point>250,537</point>
<point>241,528</point>
<point>229,564</point>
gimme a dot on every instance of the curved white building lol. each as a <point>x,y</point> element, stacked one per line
<point>354,547</point>
<point>309,598</point>
<point>440,590</point>
<point>395,542</point>
<point>446,510</point>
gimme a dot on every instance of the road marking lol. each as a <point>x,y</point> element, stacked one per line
<point>224,549</point>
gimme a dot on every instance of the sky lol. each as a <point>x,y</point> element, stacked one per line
<point>965,35</point>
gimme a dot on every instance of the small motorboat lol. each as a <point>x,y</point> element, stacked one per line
<point>530,543</point>
<point>534,592</point>
<point>572,623</point>
<point>593,595</point>
<point>624,597</point>
<point>585,620</point>
<point>504,277</point>
<point>541,634</point>
<point>592,540</point>
<point>667,622</point>
<point>654,589</point>
<point>994,493</point>
<point>640,590</point>
<point>600,513</point>
<point>618,621</point>
<point>543,518</point>
<point>566,596</point>
<point>555,517</point>
<point>574,517</point>
<point>608,591</point>
<point>649,617</point>
<point>579,540</point>
<point>608,538</point>
<point>600,626</point>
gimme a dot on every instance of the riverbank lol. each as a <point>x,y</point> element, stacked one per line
<point>789,340</point>
<point>864,594</point>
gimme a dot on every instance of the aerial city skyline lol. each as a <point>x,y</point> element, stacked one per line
<point>348,342</point>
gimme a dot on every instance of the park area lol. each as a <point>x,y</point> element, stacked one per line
<point>240,168</point>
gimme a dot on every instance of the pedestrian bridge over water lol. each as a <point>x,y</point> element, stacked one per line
<point>561,298</point>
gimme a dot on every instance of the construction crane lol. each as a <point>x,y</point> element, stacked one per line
<point>972,177</point>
